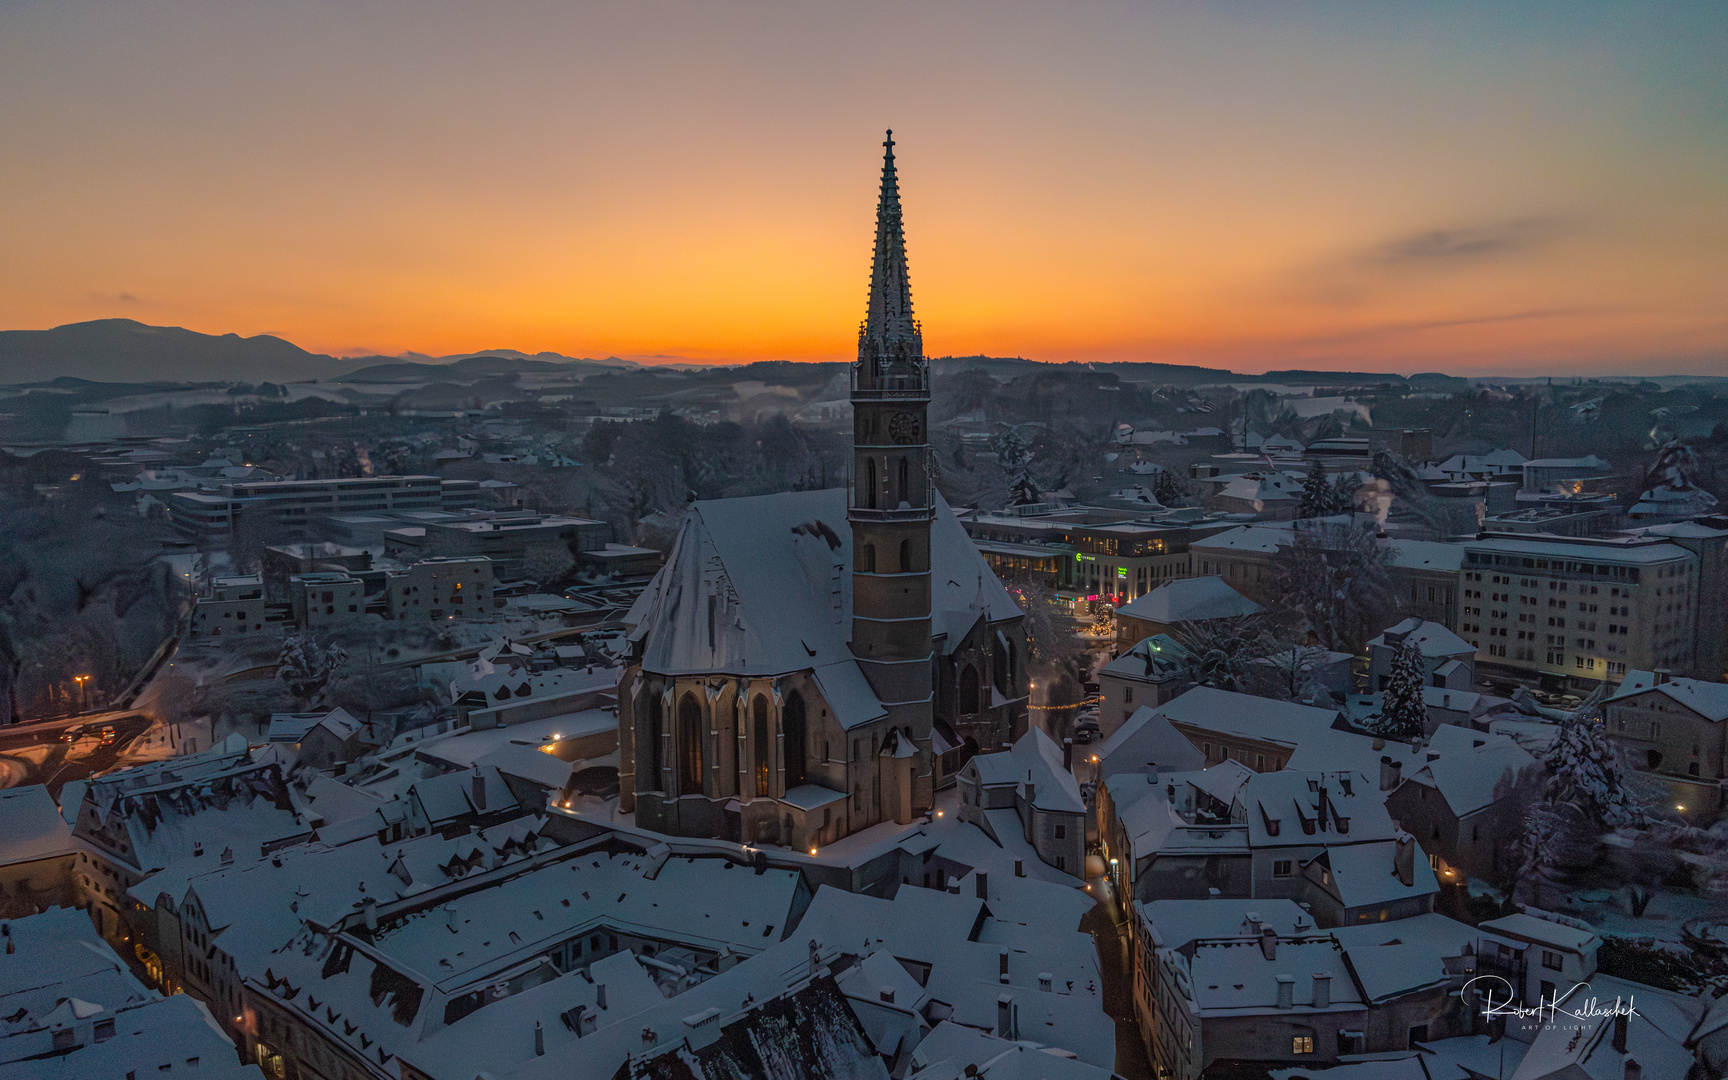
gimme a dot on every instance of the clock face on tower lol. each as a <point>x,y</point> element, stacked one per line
<point>903,428</point>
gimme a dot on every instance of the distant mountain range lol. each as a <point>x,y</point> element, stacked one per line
<point>123,350</point>
<point>126,351</point>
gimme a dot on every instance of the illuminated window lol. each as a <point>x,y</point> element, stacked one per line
<point>1302,1044</point>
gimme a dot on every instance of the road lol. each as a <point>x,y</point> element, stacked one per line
<point>37,753</point>
<point>1112,939</point>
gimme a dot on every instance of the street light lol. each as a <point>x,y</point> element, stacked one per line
<point>80,680</point>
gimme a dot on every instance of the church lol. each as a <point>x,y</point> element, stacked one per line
<point>810,664</point>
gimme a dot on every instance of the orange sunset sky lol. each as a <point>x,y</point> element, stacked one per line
<point>1523,188</point>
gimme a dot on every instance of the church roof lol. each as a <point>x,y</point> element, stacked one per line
<point>763,586</point>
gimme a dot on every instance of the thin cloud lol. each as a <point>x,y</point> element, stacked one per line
<point>1470,244</point>
<point>1422,326</point>
<point>116,298</point>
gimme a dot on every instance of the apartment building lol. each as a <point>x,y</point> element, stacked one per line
<point>1575,611</point>
<point>327,600</point>
<point>234,608</point>
<point>442,588</point>
<point>513,540</point>
<point>214,514</point>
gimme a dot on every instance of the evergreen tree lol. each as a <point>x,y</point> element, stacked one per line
<point>1582,769</point>
<point>1402,714</point>
<point>1316,495</point>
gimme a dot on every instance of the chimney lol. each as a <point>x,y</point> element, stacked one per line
<point>1659,676</point>
<point>815,957</point>
<point>1019,868</point>
<point>1620,1020</point>
<point>1031,793</point>
<point>227,856</point>
<point>1286,991</point>
<point>1046,982</point>
<point>1253,920</point>
<point>1404,860</point>
<point>1002,966</point>
<point>600,995</point>
<point>1634,1071</point>
<point>1391,772</point>
<point>479,790</point>
<point>886,993</point>
<point>983,885</point>
<point>1322,990</point>
<point>369,910</point>
<point>1269,943</point>
<point>1007,1017</point>
<point>539,1040</point>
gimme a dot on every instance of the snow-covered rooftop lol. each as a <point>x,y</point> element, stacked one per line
<point>1187,599</point>
<point>1707,699</point>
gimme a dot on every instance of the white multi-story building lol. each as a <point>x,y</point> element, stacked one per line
<point>1578,610</point>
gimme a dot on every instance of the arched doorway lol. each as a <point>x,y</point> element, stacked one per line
<point>968,690</point>
<point>793,727</point>
<point>689,746</point>
<point>759,744</point>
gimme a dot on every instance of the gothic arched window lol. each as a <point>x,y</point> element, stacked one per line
<point>870,483</point>
<point>905,556</point>
<point>905,481</point>
<point>759,743</point>
<point>794,727</point>
<point>867,558</point>
<point>689,746</point>
<point>655,733</point>
<point>968,690</point>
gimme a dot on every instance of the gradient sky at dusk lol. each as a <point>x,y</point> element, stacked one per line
<point>1519,188</point>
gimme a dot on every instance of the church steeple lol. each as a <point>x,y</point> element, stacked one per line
<point>892,498</point>
<point>890,343</point>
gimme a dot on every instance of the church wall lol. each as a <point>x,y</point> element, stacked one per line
<point>735,764</point>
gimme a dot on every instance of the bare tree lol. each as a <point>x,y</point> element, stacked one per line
<point>1334,582</point>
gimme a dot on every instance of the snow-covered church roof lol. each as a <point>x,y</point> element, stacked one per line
<point>763,586</point>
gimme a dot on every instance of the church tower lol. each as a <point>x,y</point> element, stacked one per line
<point>892,498</point>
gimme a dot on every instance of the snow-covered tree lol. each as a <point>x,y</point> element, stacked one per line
<point>1015,457</point>
<point>305,668</point>
<point>1219,652</point>
<point>1322,497</point>
<point>1555,841</point>
<point>1333,582</point>
<point>1170,489</point>
<point>1583,771</point>
<point>1402,714</point>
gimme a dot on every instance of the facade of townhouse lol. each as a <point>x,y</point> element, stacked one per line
<point>1673,732</point>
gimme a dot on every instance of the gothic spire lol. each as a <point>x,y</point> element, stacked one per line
<point>889,332</point>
